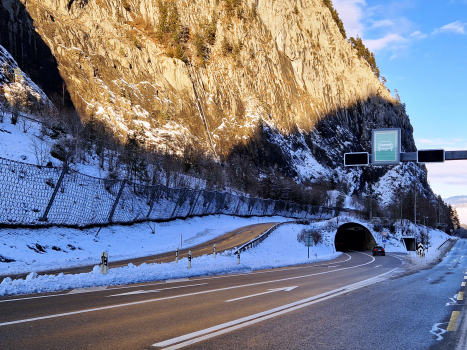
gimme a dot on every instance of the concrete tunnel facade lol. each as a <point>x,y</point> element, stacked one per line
<point>353,236</point>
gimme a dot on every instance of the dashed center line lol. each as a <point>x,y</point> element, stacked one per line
<point>452,327</point>
<point>460,296</point>
<point>463,284</point>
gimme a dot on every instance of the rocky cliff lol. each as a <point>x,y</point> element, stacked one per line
<point>273,80</point>
<point>287,64</point>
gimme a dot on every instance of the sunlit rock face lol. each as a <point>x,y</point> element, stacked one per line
<point>272,79</point>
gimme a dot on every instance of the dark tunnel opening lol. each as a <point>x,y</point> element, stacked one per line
<point>353,236</point>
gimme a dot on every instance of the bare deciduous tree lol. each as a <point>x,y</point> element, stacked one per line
<point>40,148</point>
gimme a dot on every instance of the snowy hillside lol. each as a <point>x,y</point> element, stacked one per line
<point>36,250</point>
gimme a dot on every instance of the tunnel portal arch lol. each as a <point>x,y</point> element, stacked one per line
<point>353,236</point>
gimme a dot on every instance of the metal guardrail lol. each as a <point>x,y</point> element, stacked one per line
<point>448,240</point>
<point>254,242</point>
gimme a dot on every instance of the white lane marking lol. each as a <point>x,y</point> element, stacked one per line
<point>463,284</point>
<point>100,290</point>
<point>143,291</point>
<point>207,333</point>
<point>87,290</point>
<point>286,289</point>
<point>179,296</point>
<point>175,281</point>
<point>333,266</point>
<point>378,266</point>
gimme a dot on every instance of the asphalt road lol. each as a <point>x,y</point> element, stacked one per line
<point>354,302</point>
<point>424,310</point>
<point>155,315</point>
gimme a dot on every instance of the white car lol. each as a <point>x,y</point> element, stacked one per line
<point>385,146</point>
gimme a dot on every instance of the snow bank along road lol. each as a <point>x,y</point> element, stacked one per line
<point>230,240</point>
<point>188,312</point>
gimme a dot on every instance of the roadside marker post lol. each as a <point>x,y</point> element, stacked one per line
<point>214,251</point>
<point>420,250</point>
<point>189,259</point>
<point>176,256</point>
<point>104,263</point>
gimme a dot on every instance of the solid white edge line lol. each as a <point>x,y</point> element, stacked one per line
<point>266,317</point>
<point>242,322</point>
<point>140,285</point>
<point>175,296</point>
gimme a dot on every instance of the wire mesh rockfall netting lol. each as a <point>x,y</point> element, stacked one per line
<point>36,196</point>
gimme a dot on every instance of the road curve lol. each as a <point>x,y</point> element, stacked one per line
<point>180,313</point>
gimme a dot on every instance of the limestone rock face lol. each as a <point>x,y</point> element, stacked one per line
<point>283,64</point>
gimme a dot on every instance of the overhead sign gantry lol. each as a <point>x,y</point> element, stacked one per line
<point>386,150</point>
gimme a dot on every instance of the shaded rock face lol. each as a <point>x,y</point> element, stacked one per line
<point>17,91</point>
<point>264,78</point>
<point>33,56</point>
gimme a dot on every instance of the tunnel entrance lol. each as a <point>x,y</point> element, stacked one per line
<point>353,236</point>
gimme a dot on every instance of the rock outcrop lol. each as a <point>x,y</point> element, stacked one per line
<point>287,65</point>
<point>271,79</point>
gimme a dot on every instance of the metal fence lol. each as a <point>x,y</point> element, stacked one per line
<point>33,195</point>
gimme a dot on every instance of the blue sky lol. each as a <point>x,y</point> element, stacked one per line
<point>421,49</point>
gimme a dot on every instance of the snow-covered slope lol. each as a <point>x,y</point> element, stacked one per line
<point>35,250</point>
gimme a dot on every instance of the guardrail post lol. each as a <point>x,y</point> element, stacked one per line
<point>51,201</point>
<point>112,211</point>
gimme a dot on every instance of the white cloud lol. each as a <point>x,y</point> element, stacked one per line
<point>381,43</point>
<point>351,14</point>
<point>449,178</point>
<point>418,35</point>
<point>383,23</point>
<point>455,27</point>
<point>446,144</point>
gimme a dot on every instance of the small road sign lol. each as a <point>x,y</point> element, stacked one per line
<point>386,146</point>
<point>385,240</point>
<point>356,159</point>
<point>420,249</point>
<point>308,241</point>
<point>431,156</point>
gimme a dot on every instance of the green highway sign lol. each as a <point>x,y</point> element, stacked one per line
<point>386,146</point>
